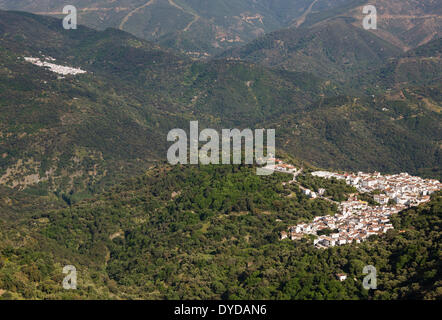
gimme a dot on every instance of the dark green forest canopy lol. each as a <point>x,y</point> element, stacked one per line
<point>206,232</point>
<point>212,233</point>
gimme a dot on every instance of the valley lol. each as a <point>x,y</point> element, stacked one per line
<point>84,176</point>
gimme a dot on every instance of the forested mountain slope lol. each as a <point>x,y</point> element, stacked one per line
<point>334,49</point>
<point>388,132</point>
<point>212,233</point>
<point>84,179</point>
<point>68,133</point>
<point>419,67</point>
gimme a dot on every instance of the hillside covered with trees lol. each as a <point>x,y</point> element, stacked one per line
<point>211,233</point>
<point>83,173</point>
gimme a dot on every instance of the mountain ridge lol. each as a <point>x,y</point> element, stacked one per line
<point>203,29</point>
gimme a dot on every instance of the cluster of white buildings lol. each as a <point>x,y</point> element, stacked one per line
<point>54,67</point>
<point>357,220</point>
<point>401,188</point>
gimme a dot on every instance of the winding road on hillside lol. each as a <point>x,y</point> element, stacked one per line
<point>302,18</point>
<point>172,3</point>
<point>195,16</point>
<point>150,2</point>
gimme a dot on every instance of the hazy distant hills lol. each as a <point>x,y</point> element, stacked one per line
<point>404,23</point>
<point>334,49</point>
<point>334,44</point>
<point>197,27</point>
<point>203,28</point>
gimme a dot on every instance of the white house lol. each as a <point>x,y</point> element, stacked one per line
<point>341,276</point>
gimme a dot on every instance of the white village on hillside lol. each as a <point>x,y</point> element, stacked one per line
<point>59,69</point>
<point>357,220</point>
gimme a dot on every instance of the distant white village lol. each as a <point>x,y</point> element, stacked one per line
<point>63,70</point>
<point>357,220</point>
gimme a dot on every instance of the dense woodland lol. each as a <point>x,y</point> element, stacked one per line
<point>83,183</point>
<point>212,233</point>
